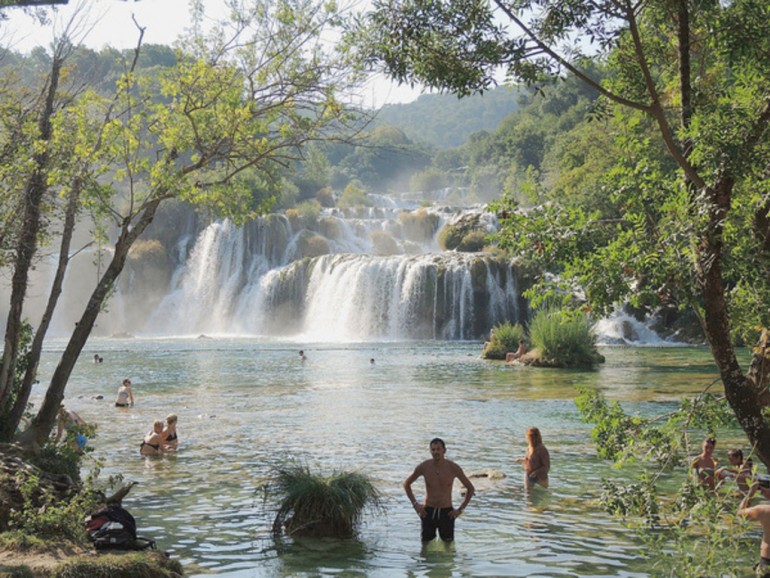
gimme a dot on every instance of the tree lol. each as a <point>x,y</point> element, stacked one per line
<point>232,114</point>
<point>690,80</point>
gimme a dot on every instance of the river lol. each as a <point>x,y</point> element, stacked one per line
<point>246,404</point>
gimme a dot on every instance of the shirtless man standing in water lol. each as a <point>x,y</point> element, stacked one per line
<point>437,513</point>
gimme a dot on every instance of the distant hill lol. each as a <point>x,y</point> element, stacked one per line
<point>446,121</point>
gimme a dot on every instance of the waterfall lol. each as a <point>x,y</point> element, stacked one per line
<point>374,274</point>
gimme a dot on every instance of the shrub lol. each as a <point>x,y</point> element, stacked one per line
<point>384,243</point>
<point>503,338</point>
<point>564,339</point>
<point>46,515</point>
<point>353,196</point>
<point>312,245</point>
<point>450,237</point>
<point>308,212</point>
<point>312,505</point>
<point>325,197</point>
<point>419,225</point>
<point>473,242</point>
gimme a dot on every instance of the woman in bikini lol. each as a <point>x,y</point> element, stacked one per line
<point>152,445</point>
<point>705,464</point>
<point>170,439</point>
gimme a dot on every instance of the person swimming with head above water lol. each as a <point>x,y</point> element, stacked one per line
<point>125,395</point>
<point>170,438</point>
<point>152,445</point>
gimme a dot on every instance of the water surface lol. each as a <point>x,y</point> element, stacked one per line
<point>245,405</point>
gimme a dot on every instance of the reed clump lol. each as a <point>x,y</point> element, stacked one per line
<point>310,504</point>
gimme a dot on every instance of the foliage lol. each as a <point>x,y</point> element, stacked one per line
<point>66,457</point>
<point>450,237</point>
<point>473,242</point>
<point>419,225</point>
<point>564,338</point>
<point>694,532</point>
<point>19,541</point>
<point>307,213</point>
<point>311,504</point>
<point>384,244</point>
<point>312,245</point>
<point>623,438</point>
<point>445,121</point>
<point>428,180</point>
<point>637,499</point>
<point>353,196</point>
<point>613,430</point>
<point>23,362</point>
<point>47,516</point>
<point>503,337</point>
<point>325,197</point>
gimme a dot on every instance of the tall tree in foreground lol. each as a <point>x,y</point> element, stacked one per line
<point>242,102</point>
<point>689,84</point>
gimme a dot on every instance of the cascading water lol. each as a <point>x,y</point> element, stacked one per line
<point>327,282</point>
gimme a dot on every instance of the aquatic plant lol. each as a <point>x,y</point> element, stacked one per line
<point>314,505</point>
<point>503,338</point>
<point>564,338</point>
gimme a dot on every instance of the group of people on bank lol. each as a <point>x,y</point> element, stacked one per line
<point>436,512</point>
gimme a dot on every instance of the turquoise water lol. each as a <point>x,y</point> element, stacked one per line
<point>245,405</point>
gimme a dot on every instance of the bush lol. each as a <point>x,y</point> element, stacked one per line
<point>312,245</point>
<point>473,242</point>
<point>384,243</point>
<point>419,225</point>
<point>325,197</point>
<point>450,237</point>
<point>353,196</point>
<point>49,516</point>
<point>503,338</point>
<point>564,339</point>
<point>313,505</point>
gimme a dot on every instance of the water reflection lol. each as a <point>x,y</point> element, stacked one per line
<point>245,406</point>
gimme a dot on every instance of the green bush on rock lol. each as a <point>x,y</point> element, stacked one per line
<point>563,339</point>
<point>503,338</point>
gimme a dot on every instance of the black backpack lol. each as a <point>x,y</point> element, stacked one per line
<point>114,528</point>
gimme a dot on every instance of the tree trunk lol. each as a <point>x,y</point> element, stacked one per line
<point>41,426</point>
<point>8,428</point>
<point>739,390</point>
<point>27,244</point>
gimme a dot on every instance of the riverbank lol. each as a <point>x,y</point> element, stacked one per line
<point>71,560</point>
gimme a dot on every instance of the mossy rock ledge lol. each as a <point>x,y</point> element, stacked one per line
<point>67,561</point>
<point>535,359</point>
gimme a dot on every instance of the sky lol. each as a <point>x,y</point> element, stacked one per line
<point>111,24</point>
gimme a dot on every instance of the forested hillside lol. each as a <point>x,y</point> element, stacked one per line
<point>446,121</point>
